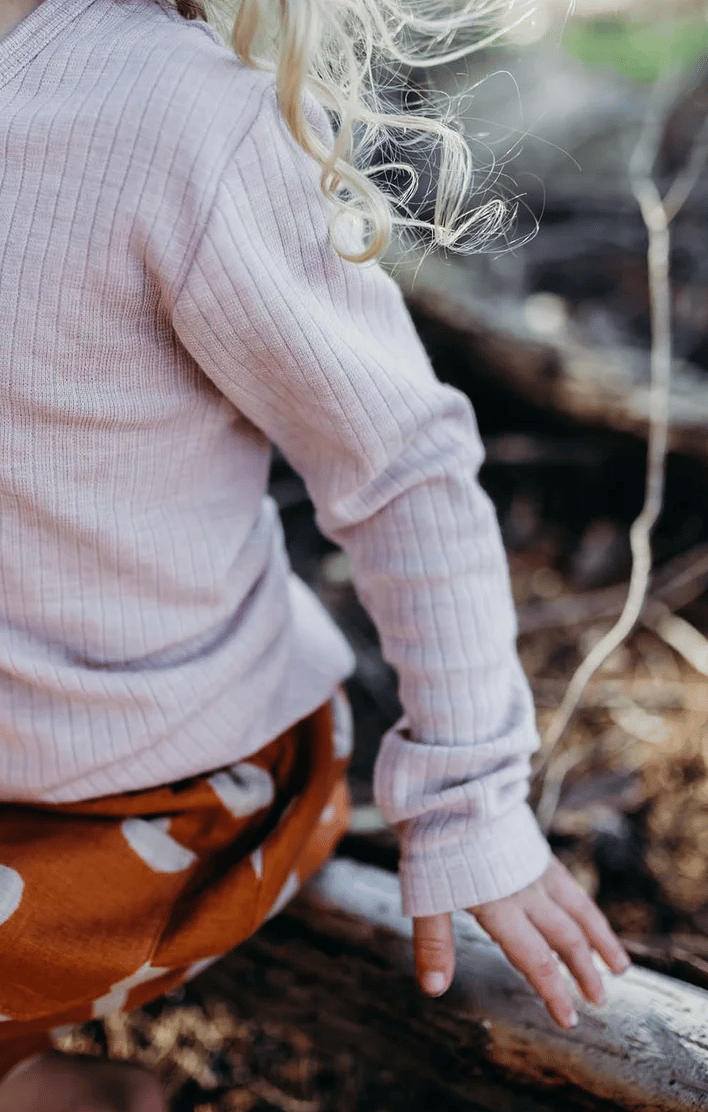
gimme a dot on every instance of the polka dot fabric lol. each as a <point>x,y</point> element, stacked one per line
<point>108,903</point>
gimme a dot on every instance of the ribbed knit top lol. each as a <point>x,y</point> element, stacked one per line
<point>170,305</point>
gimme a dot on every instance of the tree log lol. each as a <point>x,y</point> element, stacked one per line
<point>646,1050</point>
<point>549,364</point>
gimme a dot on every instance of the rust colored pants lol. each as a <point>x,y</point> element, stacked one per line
<point>108,903</point>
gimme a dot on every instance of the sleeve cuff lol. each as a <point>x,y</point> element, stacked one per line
<point>488,864</point>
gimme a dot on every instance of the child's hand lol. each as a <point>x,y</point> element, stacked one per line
<point>551,914</point>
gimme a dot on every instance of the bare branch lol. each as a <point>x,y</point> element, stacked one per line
<point>658,215</point>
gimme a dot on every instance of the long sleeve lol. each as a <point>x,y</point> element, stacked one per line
<point>322,356</point>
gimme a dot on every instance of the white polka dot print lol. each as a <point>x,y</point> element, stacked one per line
<point>62,1030</point>
<point>155,847</point>
<point>289,889</point>
<point>257,862</point>
<point>11,888</point>
<point>244,789</point>
<point>115,999</point>
<point>343,739</point>
<point>5,1018</point>
<point>198,967</point>
<point>328,815</point>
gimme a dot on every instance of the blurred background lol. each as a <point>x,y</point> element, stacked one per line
<point>549,333</point>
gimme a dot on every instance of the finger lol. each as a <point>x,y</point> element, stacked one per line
<point>529,952</point>
<point>434,952</point>
<point>563,935</point>
<point>565,890</point>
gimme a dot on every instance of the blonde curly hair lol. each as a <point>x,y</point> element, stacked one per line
<point>354,56</point>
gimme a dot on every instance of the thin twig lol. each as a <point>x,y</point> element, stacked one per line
<point>557,771</point>
<point>680,635</point>
<point>657,215</point>
<point>683,186</point>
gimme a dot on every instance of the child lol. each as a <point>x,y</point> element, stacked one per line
<point>174,735</point>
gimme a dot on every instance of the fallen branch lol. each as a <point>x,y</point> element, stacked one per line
<point>646,1050</point>
<point>668,957</point>
<point>680,635</point>
<point>604,387</point>
<point>677,584</point>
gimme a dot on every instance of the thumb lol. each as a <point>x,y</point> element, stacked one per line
<point>434,952</point>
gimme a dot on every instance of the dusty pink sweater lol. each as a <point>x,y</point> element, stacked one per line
<point>170,305</point>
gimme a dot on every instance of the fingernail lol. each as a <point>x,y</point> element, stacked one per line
<point>434,983</point>
<point>601,998</point>
<point>621,962</point>
<point>573,1018</point>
